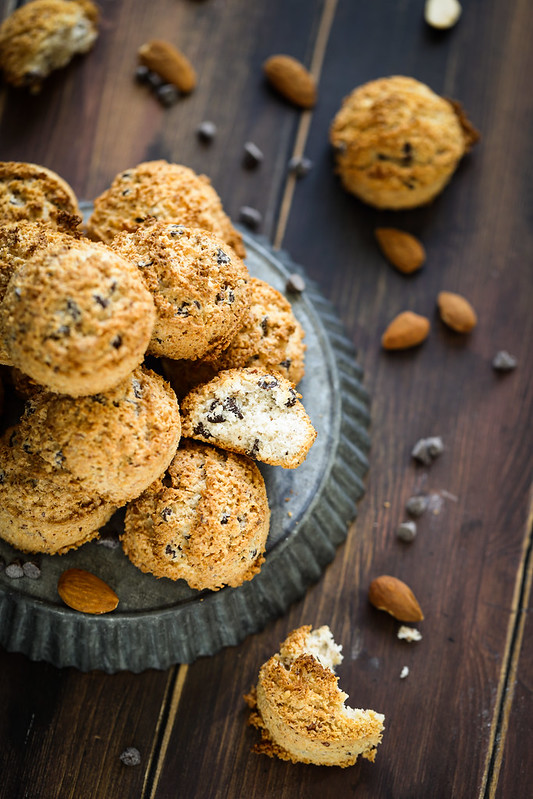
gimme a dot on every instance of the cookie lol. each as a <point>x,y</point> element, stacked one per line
<point>33,193</point>
<point>45,35</point>
<point>44,509</point>
<point>251,411</point>
<point>19,241</point>
<point>300,709</point>
<point>270,336</point>
<point>205,522</point>
<point>164,192</point>
<point>198,284</point>
<point>397,143</point>
<point>115,443</point>
<point>77,319</point>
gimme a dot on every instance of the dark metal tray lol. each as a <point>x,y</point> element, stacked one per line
<point>161,622</point>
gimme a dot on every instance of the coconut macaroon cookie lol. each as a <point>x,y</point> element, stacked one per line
<point>397,143</point>
<point>270,336</point>
<point>77,319</point>
<point>34,193</point>
<point>251,411</point>
<point>167,193</point>
<point>198,284</point>
<point>300,709</point>
<point>205,522</point>
<point>43,508</point>
<point>114,443</point>
<point>44,35</point>
<point>19,241</point>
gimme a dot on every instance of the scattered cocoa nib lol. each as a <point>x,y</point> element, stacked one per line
<point>300,166</point>
<point>250,217</point>
<point>406,532</point>
<point>253,156</point>
<point>31,569</point>
<point>504,362</point>
<point>417,505</point>
<point>427,449</point>
<point>206,131</point>
<point>14,570</point>
<point>130,756</point>
<point>295,283</point>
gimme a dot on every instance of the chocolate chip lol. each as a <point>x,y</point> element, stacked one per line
<point>222,257</point>
<point>264,325</point>
<point>175,230</point>
<point>231,296</point>
<point>31,569</point>
<point>141,74</point>
<point>63,330</point>
<point>295,283</point>
<point>101,300</point>
<point>264,382</point>
<point>183,310</point>
<point>253,553</point>
<point>206,131</point>
<point>2,477</point>
<point>504,362</point>
<point>126,192</point>
<point>201,430</point>
<point>167,95</point>
<point>59,458</point>
<point>252,453</point>
<point>139,219</point>
<point>286,363</point>
<point>73,310</point>
<point>407,159</point>
<point>427,449</point>
<point>292,399</point>
<point>116,342</point>
<point>144,264</point>
<point>137,388</point>
<point>417,505</point>
<point>14,570</point>
<point>170,551</point>
<point>300,166</point>
<point>250,217</point>
<point>154,80</point>
<point>166,513</point>
<point>406,532</point>
<point>130,756</point>
<point>253,156</point>
<point>213,416</point>
<point>231,405</point>
<point>225,518</point>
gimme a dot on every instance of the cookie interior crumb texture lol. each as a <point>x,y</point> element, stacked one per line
<point>300,709</point>
<point>251,411</point>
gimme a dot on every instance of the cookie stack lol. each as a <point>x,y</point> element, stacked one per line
<point>161,275</point>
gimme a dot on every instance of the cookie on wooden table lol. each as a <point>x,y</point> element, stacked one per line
<point>44,35</point>
<point>199,286</point>
<point>270,336</point>
<point>252,411</point>
<point>19,241</point>
<point>115,443</point>
<point>77,319</point>
<point>33,193</point>
<point>300,709</point>
<point>206,521</point>
<point>397,143</point>
<point>164,192</point>
<point>43,508</point>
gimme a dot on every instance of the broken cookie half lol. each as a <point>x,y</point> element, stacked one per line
<point>251,411</point>
<point>300,709</point>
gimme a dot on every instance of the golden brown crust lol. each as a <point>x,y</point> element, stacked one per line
<point>205,522</point>
<point>164,192</point>
<point>199,286</point>
<point>397,143</point>
<point>33,193</point>
<point>44,35</point>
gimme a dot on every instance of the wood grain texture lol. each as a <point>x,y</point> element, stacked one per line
<point>445,733</point>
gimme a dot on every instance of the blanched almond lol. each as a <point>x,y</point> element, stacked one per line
<point>395,597</point>
<point>406,330</point>
<point>456,312</point>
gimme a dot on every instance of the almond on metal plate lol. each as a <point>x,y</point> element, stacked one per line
<point>406,330</point>
<point>456,312</point>
<point>401,249</point>
<point>81,590</point>
<point>291,79</point>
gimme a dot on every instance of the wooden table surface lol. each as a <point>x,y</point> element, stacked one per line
<point>460,724</point>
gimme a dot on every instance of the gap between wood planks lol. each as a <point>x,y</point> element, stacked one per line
<point>178,674</point>
<point>506,686</point>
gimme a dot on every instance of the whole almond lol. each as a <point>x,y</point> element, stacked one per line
<point>169,63</point>
<point>291,79</point>
<point>84,591</point>
<point>406,330</point>
<point>395,597</point>
<point>401,249</point>
<point>456,312</point>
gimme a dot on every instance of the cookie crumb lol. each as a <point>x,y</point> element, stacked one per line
<point>504,362</point>
<point>409,634</point>
<point>404,672</point>
<point>406,532</point>
<point>386,504</point>
<point>131,756</point>
<point>427,449</point>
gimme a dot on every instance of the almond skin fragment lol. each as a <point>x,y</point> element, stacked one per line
<point>81,590</point>
<point>395,597</point>
<point>291,79</point>
<point>456,312</point>
<point>406,330</point>
<point>169,63</point>
<point>401,249</point>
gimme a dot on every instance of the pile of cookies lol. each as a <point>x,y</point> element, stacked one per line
<point>159,273</point>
